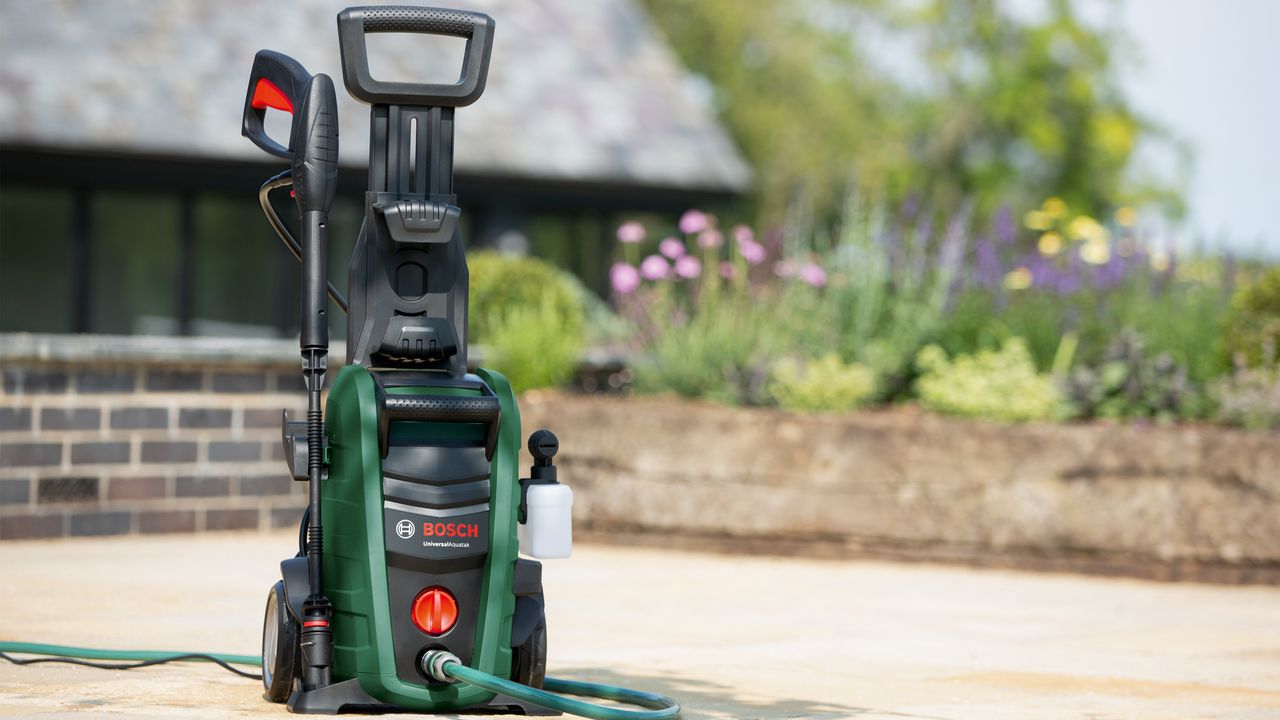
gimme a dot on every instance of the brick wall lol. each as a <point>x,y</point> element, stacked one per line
<point>106,436</point>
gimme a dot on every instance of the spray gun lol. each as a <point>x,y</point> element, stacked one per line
<point>281,83</point>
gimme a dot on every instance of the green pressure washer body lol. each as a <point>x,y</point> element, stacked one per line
<point>408,551</point>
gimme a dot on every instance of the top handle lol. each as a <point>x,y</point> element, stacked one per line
<point>477,28</point>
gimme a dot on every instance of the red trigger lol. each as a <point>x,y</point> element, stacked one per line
<point>267,95</point>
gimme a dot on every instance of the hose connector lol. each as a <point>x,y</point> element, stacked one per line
<point>433,665</point>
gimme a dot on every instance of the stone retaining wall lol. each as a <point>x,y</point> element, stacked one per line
<point>124,435</point>
<point>1169,502</point>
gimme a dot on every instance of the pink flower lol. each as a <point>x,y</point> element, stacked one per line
<point>743,235</point>
<point>814,275</point>
<point>655,267</point>
<point>693,221</point>
<point>726,270</point>
<point>671,247</point>
<point>710,239</point>
<point>688,266</point>
<point>784,268</point>
<point>624,278</point>
<point>630,232</point>
<point>752,251</point>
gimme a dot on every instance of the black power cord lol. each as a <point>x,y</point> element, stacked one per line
<point>130,666</point>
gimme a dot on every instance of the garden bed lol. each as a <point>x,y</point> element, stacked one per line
<point>1185,501</point>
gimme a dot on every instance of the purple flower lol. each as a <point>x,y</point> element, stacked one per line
<point>624,278</point>
<point>688,266</point>
<point>671,247</point>
<point>784,268</point>
<point>655,267</point>
<point>693,221</point>
<point>630,232</point>
<point>743,235</point>
<point>988,270</point>
<point>910,205</point>
<point>726,270</point>
<point>752,251</point>
<point>710,239</point>
<point>814,275</point>
<point>1006,230</point>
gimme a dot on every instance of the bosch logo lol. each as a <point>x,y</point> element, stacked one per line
<point>404,529</point>
<point>458,530</point>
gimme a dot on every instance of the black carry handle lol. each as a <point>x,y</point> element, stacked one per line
<point>477,28</point>
<point>438,408</point>
<point>276,81</point>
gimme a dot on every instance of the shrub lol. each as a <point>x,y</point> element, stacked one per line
<point>993,384</point>
<point>1249,398</point>
<point>535,345</point>
<point>528,315</point>
<point>825,384</point>
<point>500,282</point>
<point>1253,325</point>
<point>715,349</point>
<point>1129,382</point>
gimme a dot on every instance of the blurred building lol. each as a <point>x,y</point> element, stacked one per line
<point>128,198</point>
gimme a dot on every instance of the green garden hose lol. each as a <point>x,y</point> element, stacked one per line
<point>446,667</point>
<point>441,665</point>
<point>94,654</point>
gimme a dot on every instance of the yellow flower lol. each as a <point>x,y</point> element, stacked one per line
<point>1095,252</point>
<point>1160,261</point>
<point>1086,228</point>
<point>1054,207</point>
<point>1050,244</point>
<point>1038,220</point>
<point>1018,279</point>
<point>1126,216</point>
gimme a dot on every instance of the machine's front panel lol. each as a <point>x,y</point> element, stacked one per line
<point>436,529</point>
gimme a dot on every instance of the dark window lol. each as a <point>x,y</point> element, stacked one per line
<point>35,259</point>
<point>134,257</point>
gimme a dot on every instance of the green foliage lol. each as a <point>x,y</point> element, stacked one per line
<point>534,345</point>
<point>825,384</point>
<point>992,384</point>
<point>887,300</point>
<point>1180,318</point>
<point>717,348</point>
<point>1253,327</point>
<point>500,282</point>
<point>528,315</point>
<point>998,108</point>
<point>1131,382</point>
<point>1249,398</point>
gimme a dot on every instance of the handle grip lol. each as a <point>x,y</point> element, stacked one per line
<point>314,144</point>
<point>354,23</point>
<point>276,81</point>
<point>429,21</point>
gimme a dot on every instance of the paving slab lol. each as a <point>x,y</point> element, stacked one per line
<point>732,636</point>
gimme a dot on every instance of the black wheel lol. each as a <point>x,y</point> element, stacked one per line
<point>279,647</point>
<point>529,664</point>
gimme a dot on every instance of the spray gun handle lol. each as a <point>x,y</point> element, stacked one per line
<point>314,142</point>
<point>278,82</point>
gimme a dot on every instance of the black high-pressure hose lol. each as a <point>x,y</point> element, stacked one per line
<point>285,179</point>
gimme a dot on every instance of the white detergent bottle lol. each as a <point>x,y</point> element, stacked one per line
<point>546,523</point>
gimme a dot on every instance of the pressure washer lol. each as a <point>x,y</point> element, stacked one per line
<point>408,591</point>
